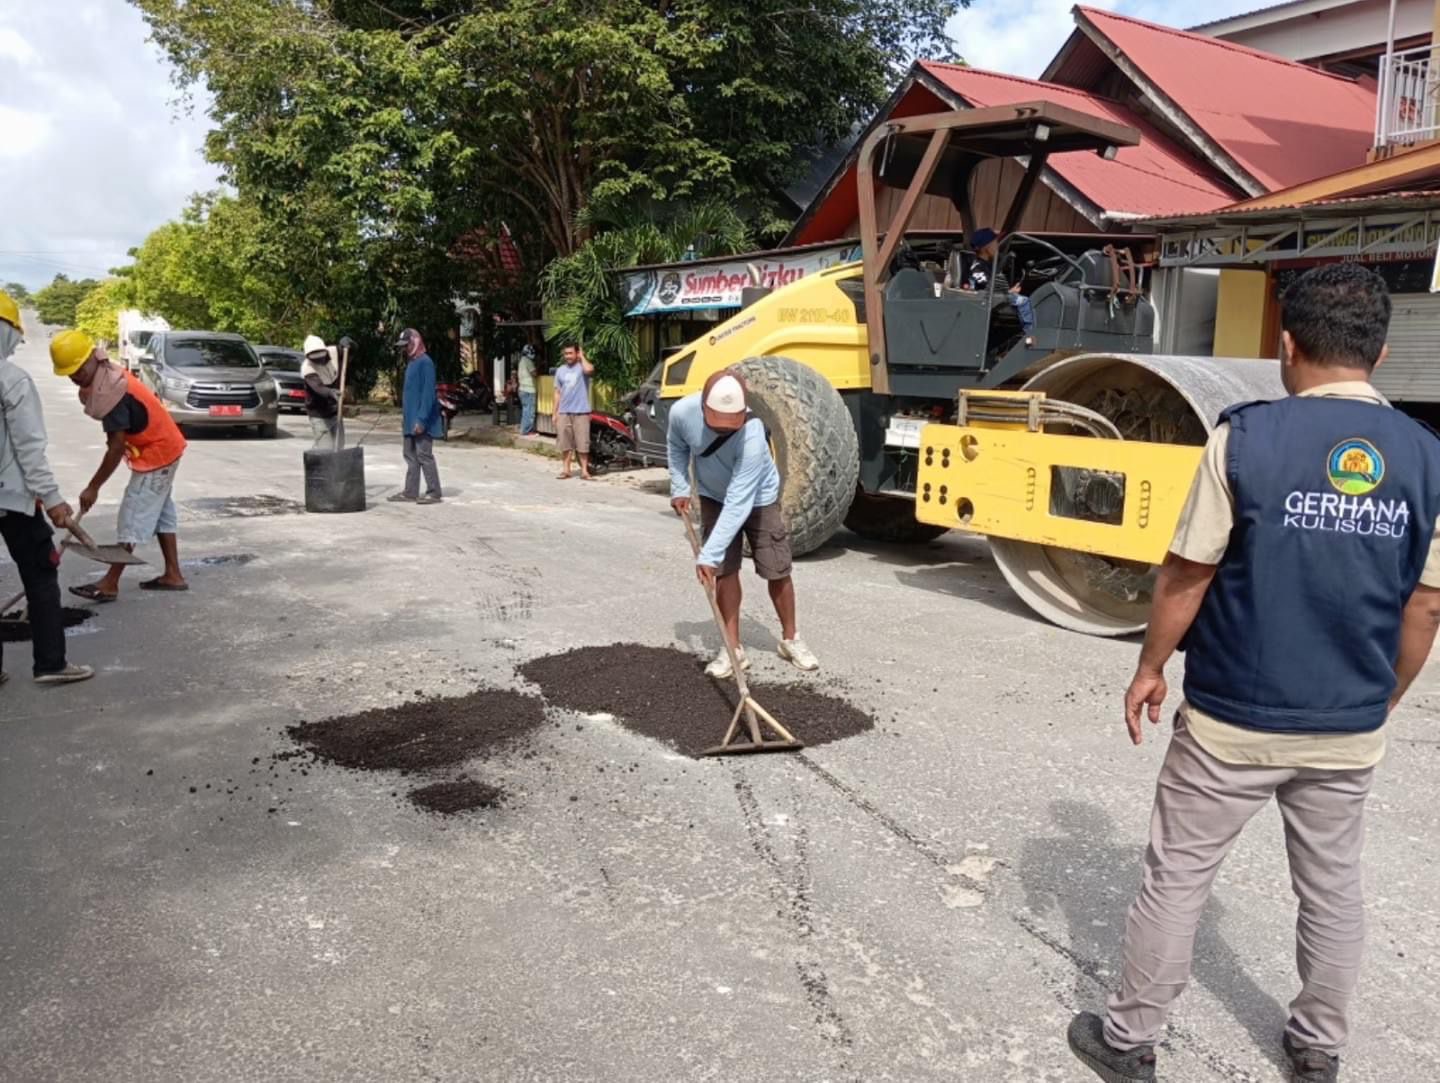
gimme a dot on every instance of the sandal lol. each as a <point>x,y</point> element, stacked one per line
<point>91,593</point>
<point>160,584</point>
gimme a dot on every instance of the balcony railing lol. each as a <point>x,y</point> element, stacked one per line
<point>1407,112</point>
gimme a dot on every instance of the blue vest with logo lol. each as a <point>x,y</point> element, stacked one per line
<point>1335,506</point>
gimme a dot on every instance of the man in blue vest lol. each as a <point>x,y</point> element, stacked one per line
<point>1303,584</point>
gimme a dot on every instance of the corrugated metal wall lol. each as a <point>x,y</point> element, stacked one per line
<point>1412,371</point>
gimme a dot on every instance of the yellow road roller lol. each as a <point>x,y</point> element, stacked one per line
<point>902,404</point>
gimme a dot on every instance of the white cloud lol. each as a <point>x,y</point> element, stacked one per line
<point>1021,36</point>
<point>21,133</point>
<point>14,48</point>
<point>93,155</point>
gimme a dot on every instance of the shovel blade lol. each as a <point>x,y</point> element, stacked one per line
<point>102,554</point>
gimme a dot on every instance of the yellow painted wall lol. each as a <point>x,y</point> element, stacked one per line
<point>1240,314</point>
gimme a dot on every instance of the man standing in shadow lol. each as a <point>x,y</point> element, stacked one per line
<point>1303,583</point>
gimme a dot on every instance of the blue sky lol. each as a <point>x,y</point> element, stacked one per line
<point>95,151</point>
<point>1019,37</point>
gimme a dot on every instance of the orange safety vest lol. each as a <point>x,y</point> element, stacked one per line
<point>159,444</point>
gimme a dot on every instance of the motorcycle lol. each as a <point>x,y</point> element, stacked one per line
<point>611,441</point>
<point>469,393</point>
<point>448,409</point>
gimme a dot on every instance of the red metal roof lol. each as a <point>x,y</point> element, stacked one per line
<point>1156,177</point>
<point>1283,122</point>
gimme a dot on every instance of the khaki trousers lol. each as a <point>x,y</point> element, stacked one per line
<point>1201,805</point>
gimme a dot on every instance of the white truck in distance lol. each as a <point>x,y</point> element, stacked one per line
<point>135,331</point>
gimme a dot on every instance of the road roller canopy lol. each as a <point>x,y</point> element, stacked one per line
<point>936,154</point>
<point>970,136</point>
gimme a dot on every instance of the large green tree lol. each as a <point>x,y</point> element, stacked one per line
<point>98,312</point>
<point>419,120</point>
<point>372,143</point>
<point>56,303</point>
<point>18,292</point>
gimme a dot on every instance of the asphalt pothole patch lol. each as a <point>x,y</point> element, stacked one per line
<point>429,736</point>
<point>454,796</point>
<point>663,693</point>
<point>15,626</point>
<point>221,560</point>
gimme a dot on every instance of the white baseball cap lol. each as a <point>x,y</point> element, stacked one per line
<point>726,396</point>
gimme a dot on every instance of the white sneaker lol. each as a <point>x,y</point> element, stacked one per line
<point>798,655</point>
<point>720,667</point>
<point>69,675</point>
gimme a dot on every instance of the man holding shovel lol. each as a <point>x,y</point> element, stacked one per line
<point>739,488</point>
<point>27,485</point>
<point>321,372</point>
<point>140,432</point>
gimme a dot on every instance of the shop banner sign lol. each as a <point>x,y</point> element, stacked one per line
<point>718,285</point>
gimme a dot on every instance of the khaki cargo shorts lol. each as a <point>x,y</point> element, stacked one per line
<point>765,530</point>
<point>572,433</point>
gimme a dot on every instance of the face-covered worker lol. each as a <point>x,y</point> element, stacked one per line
<point>140,433</point>
<point>321,373</point>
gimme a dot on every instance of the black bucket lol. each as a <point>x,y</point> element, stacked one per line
<point>335,480</point>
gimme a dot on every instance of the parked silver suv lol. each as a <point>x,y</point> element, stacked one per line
<point>207,378</point>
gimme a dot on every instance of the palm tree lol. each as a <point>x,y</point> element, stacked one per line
<point>583,299</point>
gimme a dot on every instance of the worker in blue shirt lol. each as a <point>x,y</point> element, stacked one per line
<point>421,412</point>
<point>739,488</point>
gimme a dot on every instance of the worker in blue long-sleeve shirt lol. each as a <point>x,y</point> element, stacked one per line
<point>739,489</point>
<point>421,413</point>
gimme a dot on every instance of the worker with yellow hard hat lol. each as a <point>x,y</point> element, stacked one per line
<point>28,487</point>
<point>139,432</point>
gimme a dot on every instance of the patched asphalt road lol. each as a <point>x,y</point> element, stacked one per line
<point>928,901</point>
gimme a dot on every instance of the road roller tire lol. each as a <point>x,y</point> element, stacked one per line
<point>813,438</point>
<point>889,519</point>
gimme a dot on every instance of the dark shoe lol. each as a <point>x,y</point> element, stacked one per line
<point>1310,1065</point>
<point>1087,1041</point>
<point>400,498</point>
<point>429,498</point>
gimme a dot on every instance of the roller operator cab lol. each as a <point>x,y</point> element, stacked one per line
<point>902,405</point>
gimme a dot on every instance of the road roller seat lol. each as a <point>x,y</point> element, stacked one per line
<point>910,283</point>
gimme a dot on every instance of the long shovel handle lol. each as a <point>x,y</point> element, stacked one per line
<point>79,533</point>
<point>735,666</point>
<point>340,412</point>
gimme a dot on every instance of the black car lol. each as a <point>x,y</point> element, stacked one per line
<point>283,365</point>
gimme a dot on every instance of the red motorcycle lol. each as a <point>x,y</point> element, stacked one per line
<point>470,392</point>
<point>611,441</point>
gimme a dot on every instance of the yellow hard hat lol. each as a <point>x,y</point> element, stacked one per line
<point>10,312</point>
<point>69,350</point>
